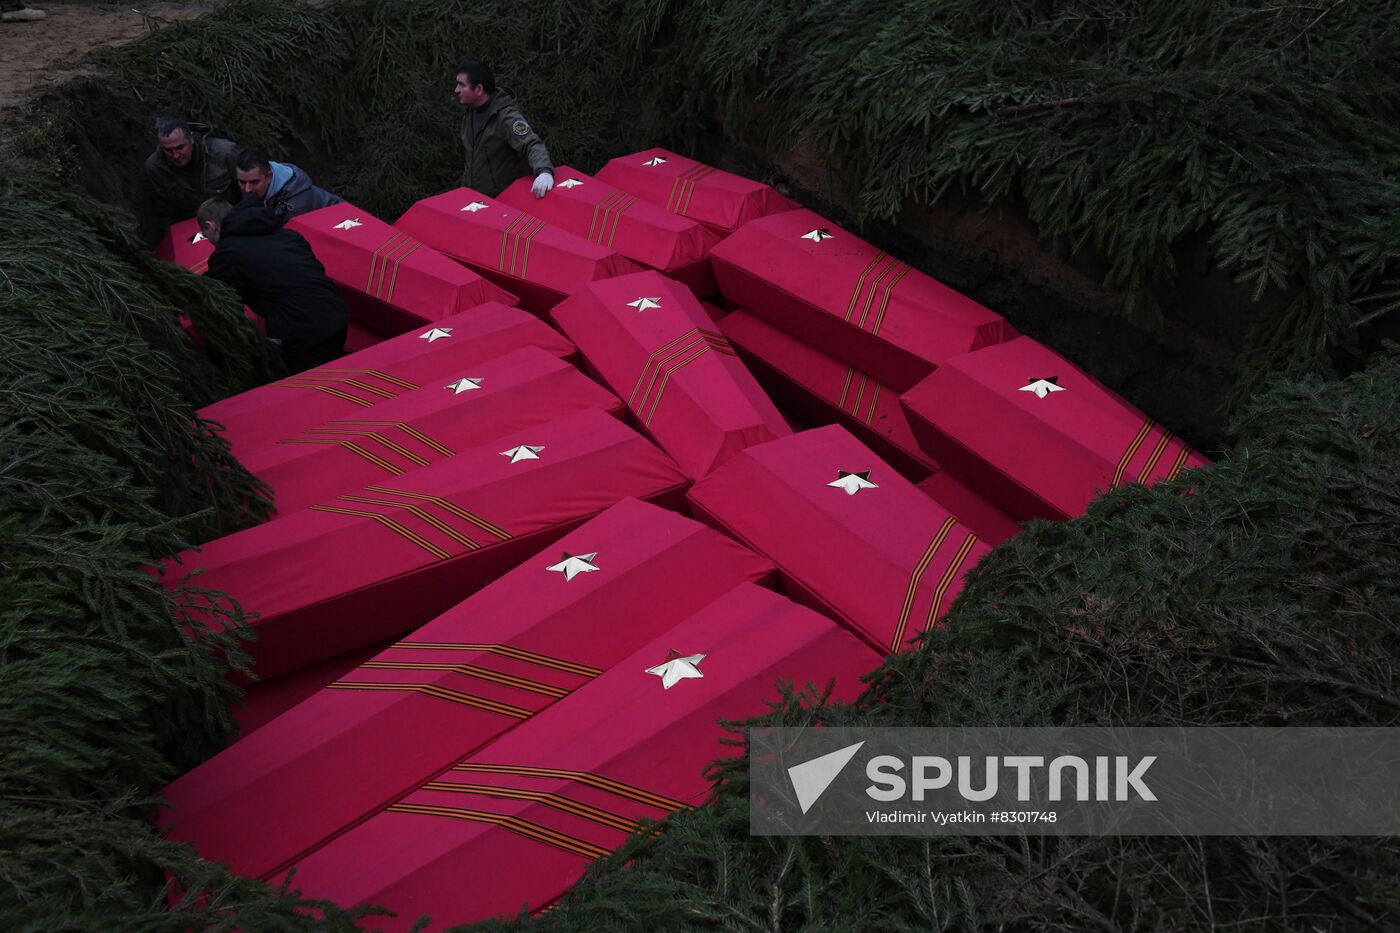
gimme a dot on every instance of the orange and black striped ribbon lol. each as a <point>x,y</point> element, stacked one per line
<point>506,651</point>
<point>949,575</point>
<point>865,381</point>
<point>587,778</point>
<point>683,189</point>
<point>553,801</point>
<point>438,693</point>
<point>388,522</point>
<point>474,671</point>
<point>512,824</point>
<point>872,291</point>
<point>447,505</point>
<point>395,499</point>
<point>388,256</point>
<point>610,208</point>
<point>1154,456</point>
<point>515,244</point>
<point>365,429</point>
<point>662,362</point>
<point>333,382</point>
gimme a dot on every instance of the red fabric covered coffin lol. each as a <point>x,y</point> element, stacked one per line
<point>514,648</point>
<point>719,200</point>
<point>641,231</point>
<point>185,246</point>
<point>265,700</point>
<point>848,299</point>
<point>851,536</point>
<point>1035,434</point>
<point>512,392</point>
<point>389,557</point>
<point>393,282</point>
<point>987,521</point>
<point>349,386</point>
<point>653,344</point>
<point>517,822</point>
<point>528,257</point>
<point>820,389</point>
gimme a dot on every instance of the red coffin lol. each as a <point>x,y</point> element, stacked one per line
<point>511,650</point>
<point>848,299</point>
<point>352,384</point>
<point>515,824</point>
<point>1037,435</point>
<point>641,231</point>
<point>887,561</point>
<point>185,246</point>
<point>512,392</point>
<point>526,256</point>
<point>719,200</point>
<point>987,521</point>
<point>386,559</point>
<point>653,344</point>
<point>821,390</point>
<point>393,283</point>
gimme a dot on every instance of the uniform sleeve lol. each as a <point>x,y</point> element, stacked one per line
<point>525,141</point>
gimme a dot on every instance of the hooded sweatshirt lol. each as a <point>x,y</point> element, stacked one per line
<point>291,192</point>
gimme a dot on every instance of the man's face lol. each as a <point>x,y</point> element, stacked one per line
<point>253,181</point>
<point>178,148</point>
<point>211,231</point>
<point>472,95</point>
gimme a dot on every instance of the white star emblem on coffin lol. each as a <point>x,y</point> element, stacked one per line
<point>347,225</point>
<point>475,206</point>
<point>523,452</point>
<point>817,235</point>
<point>645,304</point>
<point>655,160</point>
<point>677,669</point>
<point>465,384</point>
<point>437,333</point>
<point>198,238</point>
<point>1042,387</point>
<point>853,483</point>
<point>570,183</point>
<point>572,565</point>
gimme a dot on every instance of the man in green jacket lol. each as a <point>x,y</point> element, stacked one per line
<point>500,144</point>
<point>188,167</point>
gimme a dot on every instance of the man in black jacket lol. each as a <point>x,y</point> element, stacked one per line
<point>279,278</point>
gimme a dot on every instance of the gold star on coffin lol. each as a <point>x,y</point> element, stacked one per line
<point>817,235</point>
<point>570,183</point>
<point>465,384</point>
<point>1042,387</point>
<point>198,238</point>
<point>523,452</point>
<point>645,304</point>
<point>475,206</point>
<point>853,483</point>
<point>655,160</point>
<point>573,565</point>
<point>677,668</point>
<point>437,333</point>
<point>347,225</point>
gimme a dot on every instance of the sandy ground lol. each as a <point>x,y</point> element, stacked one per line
<point>47,51</point>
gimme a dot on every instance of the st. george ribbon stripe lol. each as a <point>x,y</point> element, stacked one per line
<point>447,505</point>
<point>422,514</point>
<point>473,671</point>
<point>511,823</point>
<point>437,692</point>
<point>505,651</point>
<point>553,801</point>
<point>389,523</point>
<point>1147,425</point>
<point>949,575</point>
<point>915,576</point>
<point>595,781</point>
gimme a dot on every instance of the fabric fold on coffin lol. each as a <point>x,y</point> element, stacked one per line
<point>885,560</point>
<point>718,199</point>
<point>1035,434</point>
<point>989,523</point>
<point>349,386</point>
<point>525,255</point>
<point>849,299</point>
<point>425,426</point>
<point>185,246</point>
<point>517,822</point>
<point>643,232</point>
<point>393,282</point>
<point>387,558</point>
<point>822,389</point>
<point>521,643</point>
<point>654,345</point>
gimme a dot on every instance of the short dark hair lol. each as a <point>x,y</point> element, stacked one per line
<point>213,210</point>
<point>477,73</point>
<point>168,123</point>
<point>249,159</point>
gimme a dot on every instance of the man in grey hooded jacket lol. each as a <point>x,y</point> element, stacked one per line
<point>285,189</point>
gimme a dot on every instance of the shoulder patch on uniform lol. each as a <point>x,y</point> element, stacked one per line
<point>520,128</point>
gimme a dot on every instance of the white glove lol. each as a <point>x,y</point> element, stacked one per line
<point>543,182</point>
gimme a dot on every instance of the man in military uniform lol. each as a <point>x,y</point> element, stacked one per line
<point>500,144</point>
<point>187,168</point>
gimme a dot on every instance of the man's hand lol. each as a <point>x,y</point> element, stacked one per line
<point>543,182</point>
